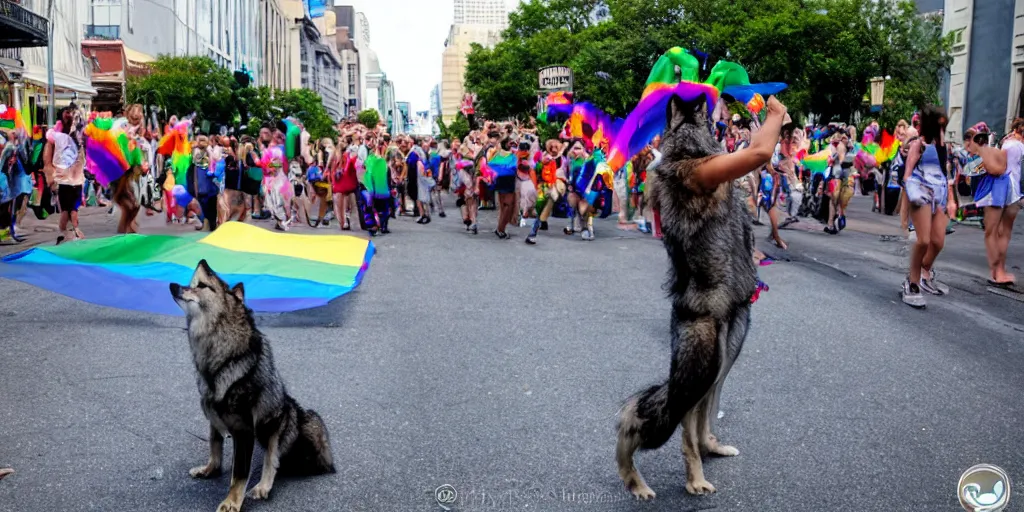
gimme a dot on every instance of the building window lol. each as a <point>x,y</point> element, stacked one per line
<point>103,31</point>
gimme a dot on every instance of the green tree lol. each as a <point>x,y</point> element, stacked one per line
<point>457,129</point>
<point>368,118</point>
<point>826,50</point>
<point>308,107</point>
<point>186,85</point>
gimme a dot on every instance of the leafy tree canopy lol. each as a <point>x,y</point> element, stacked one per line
<point>368,118</point>
<point>185,85</point>
<point>826,50</point>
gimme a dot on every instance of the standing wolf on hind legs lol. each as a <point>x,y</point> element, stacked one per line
<point>713,282</point>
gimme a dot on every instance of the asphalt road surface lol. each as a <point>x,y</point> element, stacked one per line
<point>497,369</point>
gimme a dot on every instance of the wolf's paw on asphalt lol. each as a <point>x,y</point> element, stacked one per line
<point>724,450</point>
<point>229,506</point>
<point>203,472</point>
<point>699,487</point>
<point>260,492</point>
<point>642,492</point>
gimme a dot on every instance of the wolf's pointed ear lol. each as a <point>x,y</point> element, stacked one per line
<point>239,292</point>
<point>676,113</point>
<point>205,266</point>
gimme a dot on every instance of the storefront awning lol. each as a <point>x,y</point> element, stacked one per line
<point>20,27</point>
<point>61,82</point>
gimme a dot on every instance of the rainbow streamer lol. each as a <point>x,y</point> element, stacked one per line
<point>109,153</point>
<point>650,116</point>
<point>376,177</point>
<point>11,119</point>
<point>818,162</point>
<point>281,272</point>
<point>175,144</point>
<point>559,104</point>
<point>888,149</point>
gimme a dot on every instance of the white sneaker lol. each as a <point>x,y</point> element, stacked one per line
<point>912,295</point>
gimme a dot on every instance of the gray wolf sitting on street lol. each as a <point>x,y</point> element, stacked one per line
<point>712,279</point>
<point>242,394</point>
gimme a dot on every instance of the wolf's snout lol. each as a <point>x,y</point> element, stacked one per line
<point>175,290</point>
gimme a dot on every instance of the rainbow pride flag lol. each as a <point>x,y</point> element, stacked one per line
<point>817,163</point>
<point>281,272</point>
<point>503,165</point>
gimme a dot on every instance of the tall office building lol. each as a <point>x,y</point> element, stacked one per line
<point>986,80</point>
<point>481,12</point>
<point>475,21</point>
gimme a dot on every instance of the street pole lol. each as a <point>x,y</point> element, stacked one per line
<point>49,68</point>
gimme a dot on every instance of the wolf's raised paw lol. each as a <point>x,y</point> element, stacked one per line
<point>699,487</point>
<point>203,472</point>
<point>260,492</point>
<point>642,492</point>
<point>229,506</point>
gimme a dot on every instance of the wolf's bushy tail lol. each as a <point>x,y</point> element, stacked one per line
<point>650,417</point>
<point>311,454</point>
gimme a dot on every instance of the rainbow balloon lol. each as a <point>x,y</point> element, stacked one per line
<point>281,272</point>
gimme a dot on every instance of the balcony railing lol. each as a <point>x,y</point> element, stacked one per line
<point>20,27</point>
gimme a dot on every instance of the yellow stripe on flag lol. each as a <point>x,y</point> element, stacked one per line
<point>331,249</point>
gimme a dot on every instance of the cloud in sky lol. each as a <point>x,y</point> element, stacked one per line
<point>408,37</point>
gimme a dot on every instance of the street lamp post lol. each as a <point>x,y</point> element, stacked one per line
<point>878,92</point>
<point>49,67</point>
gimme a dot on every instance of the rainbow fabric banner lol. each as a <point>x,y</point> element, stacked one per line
<point>10,119</point>
<point>281,272</point>
<point>503,165</point>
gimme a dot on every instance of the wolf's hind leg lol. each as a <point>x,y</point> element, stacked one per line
<point>213,467</point>
<point>629,441</point>
<point>733,345</point>
<point>708,442</point>
<point>695,481</point>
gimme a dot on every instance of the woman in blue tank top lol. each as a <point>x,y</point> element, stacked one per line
<point>930,195</point>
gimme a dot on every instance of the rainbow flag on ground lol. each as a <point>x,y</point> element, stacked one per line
<point>281,272</point>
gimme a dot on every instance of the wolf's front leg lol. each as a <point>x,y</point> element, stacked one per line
<point>212,468</point>
<point>270,462</point>
<point>243,443</point>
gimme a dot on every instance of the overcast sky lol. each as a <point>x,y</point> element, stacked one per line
<point>408,36</point>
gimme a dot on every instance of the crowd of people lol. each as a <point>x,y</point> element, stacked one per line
<point>931,182</point>
<point>365,177</point>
